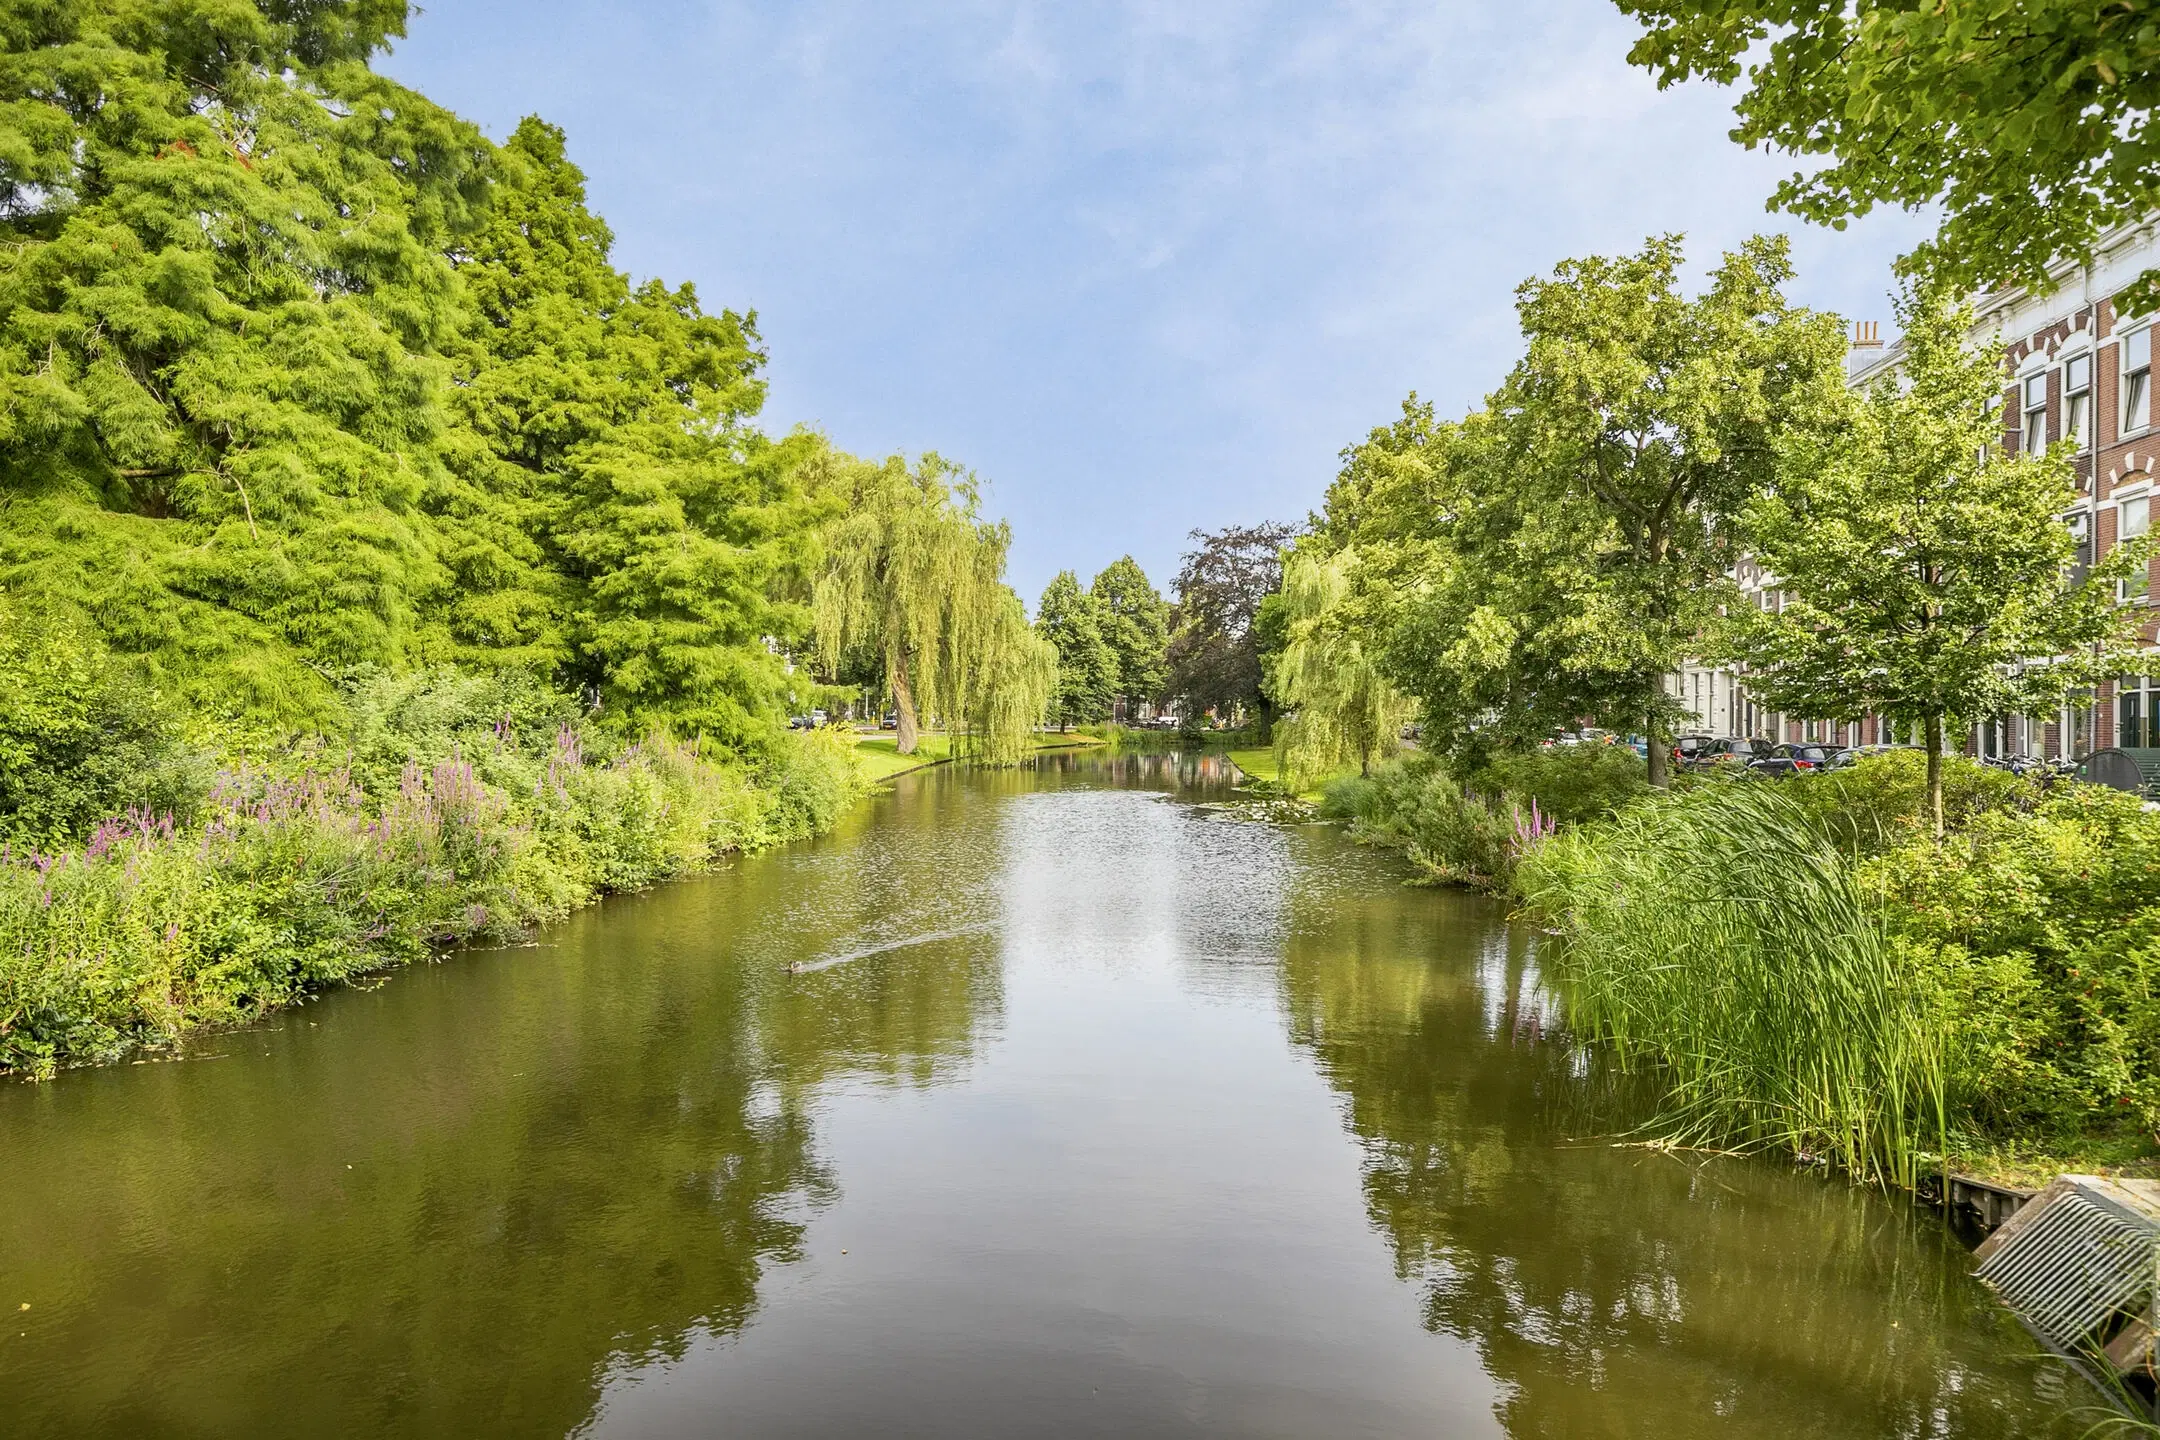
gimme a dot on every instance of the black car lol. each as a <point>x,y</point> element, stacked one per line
<point>1780,761</point>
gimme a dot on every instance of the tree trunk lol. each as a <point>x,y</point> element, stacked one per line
<point>903,699</point>
<point>1934,773</point>
<point>1654,754</point>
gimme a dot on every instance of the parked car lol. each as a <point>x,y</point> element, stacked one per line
<point>1725,754</point>
<point>890,720</point>
<point>1780,762</point>
<point>1686,747</point>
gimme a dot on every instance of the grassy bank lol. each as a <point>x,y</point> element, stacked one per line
<point>453,808</point>
<point>1811,971</point>
<point>879,758</point>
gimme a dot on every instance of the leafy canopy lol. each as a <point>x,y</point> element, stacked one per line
<point>1088,674</point>
<point>1592,514</point>
<point>1214,654</point>
<point>1136,624</point>
<point>1927,576</point>
<point>300,377</point>
<point>913,575</point>
<point>2031,122</point>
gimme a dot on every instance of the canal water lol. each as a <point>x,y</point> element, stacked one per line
<point>1092,1108</point>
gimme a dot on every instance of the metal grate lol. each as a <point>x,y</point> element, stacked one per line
<point>2080,1260</point>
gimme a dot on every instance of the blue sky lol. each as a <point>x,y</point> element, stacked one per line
<point>1146,265</point>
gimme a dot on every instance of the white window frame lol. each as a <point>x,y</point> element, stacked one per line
<point>2077,423</point>
<point>2142,497</point>
<point>2032,436</point>
<point>2133,413</point>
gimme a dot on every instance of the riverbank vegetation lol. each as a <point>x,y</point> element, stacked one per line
<point>1909,959</point>
<point>380,566</point>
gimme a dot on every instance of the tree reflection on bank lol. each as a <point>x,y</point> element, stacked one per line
<point>1596,1278</point>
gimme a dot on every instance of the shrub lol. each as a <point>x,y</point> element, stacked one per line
<point>1573,785</point>
<point>1466,838</point>
<point>83,736</point>
<point>1881,802</point>
<point>2037,933</point>
<point>292,881</point>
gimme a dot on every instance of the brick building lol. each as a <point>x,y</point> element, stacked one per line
<point>2080,375</point>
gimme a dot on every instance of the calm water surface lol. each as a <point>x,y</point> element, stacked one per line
<point>1101,1111</point>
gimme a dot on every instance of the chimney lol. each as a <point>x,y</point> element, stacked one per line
<point>1866,346</point>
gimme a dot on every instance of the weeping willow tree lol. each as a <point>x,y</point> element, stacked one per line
<point>1014,672</point>
<point>915,577</point>
<point>1345,710</point>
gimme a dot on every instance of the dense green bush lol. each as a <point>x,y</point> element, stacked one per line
<point>83,736</point>
<point>1881,802</point>
<point>1571,785</point>
<point>2037,933</point>
<point>2024,952</point>
<point>1416,804</point>
<point>1471,834</point>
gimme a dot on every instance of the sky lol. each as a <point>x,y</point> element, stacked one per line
<point>1146,266</point>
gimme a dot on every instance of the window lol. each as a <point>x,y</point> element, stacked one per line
<point>2035,442</point>
<point>2136,380</point>
<point>2134,719</point>
<point>2133,519</point>
<point>2077,401</point>
<point>2081,531</point>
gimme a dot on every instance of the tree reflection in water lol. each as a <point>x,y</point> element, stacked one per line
<point>1617,1290</point>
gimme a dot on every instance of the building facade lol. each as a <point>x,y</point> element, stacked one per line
<point>2080,375</point>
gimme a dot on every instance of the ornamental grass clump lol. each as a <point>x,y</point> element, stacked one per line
<point>1717,936</point>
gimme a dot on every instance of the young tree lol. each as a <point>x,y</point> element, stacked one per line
<point>1927,575</point>
<point>1214,655</point>
<point>2034,123</point>
<point>1601,517</point>
<point>1345,708</point>
<point>1070,619</point>
<point>913,573</point>
<point>1136,622</point>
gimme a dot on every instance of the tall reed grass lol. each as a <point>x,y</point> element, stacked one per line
<point>1718,936</point>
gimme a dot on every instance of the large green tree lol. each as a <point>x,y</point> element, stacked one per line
<point>1328,672</point>
<point>611,510</point>
<point>1597,507</point>
<point>1088,675</point>
<point>224,294</point>
<point>1926,575</point>
<point>1136,624</point>
<point>303,377</point>
<point>2031,122</point>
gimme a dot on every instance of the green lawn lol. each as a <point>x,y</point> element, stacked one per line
<point>1260,765</point>
<point>880,758</point>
